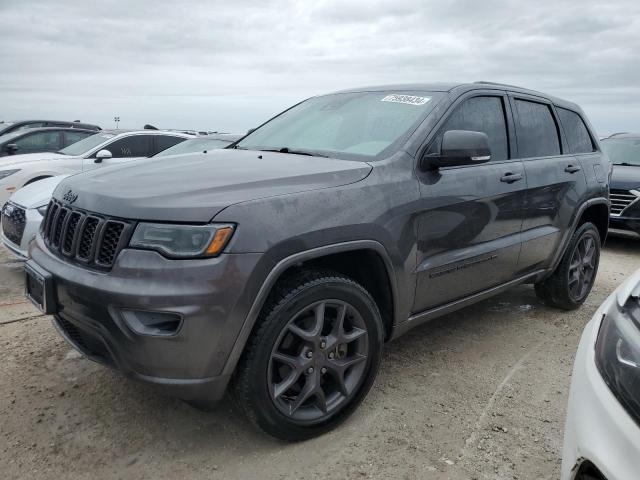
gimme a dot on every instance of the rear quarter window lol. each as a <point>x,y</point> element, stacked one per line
<point>576,131</point>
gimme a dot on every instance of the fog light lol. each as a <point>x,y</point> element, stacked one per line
<point>152,323</point>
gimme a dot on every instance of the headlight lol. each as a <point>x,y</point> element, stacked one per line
<point>6,173</point>
<point>618,354</point>
<point>182,241</point>
<point>43,210</point>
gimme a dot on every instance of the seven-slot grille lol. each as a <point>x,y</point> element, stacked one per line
<point>620,199</point>
<point>93,240</point>
<point>14,220</point>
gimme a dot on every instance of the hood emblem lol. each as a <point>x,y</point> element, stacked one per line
<point>70,197</point>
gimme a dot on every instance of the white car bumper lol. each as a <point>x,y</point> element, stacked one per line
<point>18,244</point>
<point>598,429</point>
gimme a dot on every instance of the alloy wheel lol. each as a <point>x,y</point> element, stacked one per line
<point>582,267</point>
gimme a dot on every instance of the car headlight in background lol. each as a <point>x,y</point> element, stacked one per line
<point>618,354</point>
<point>43,210</point>
<point>6,173</point>
<point>182,241</point>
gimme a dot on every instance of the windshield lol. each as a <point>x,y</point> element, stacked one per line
<point>622,151</point>
<point>86,144</point>
<point>345,125</point>
<point>194,145</point>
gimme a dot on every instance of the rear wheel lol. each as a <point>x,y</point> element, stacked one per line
<point>313,357</point>
<point>573,279</point>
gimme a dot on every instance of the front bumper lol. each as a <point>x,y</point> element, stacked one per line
<point>626,223</point>
<point>598,429</point>
<point>209,295</point>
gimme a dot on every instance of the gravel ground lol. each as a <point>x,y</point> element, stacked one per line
<point>479,394</point>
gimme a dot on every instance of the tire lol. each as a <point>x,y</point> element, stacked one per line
<point>568,287</point>
<point>301,353</point>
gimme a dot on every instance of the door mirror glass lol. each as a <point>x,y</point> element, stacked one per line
<point>11,148</point>
<point>459,147</point>
<point>102,155</point>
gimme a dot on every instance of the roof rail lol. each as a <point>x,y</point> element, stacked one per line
<point>483,82</point>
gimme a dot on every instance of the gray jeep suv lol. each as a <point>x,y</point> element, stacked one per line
<point>279,266</point>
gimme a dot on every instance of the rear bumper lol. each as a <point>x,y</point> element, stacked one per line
<point>207,296</point>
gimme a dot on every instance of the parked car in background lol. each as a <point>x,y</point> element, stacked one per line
<point>8,127</point>
<point>23,213</point>
<point>279,266</point>
<point>36,140</point>
<point>602,434</point>
<point>624,151</point>
<point>201,144</point>
<point>109,147</point>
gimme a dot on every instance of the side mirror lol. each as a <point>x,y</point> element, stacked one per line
<point>11,148</point>
<point>102,155</point>
<point>459,147</point>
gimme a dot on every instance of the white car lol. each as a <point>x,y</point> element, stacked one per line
<point>22,215</point>
<point>602,435</point>
<point>105,148</point>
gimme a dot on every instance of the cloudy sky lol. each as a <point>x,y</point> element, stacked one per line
<point>230,65</point>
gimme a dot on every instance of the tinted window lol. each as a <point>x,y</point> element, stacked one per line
<point>576,132</point>
<point>480,114</point>
<point>39,141</point>
<point>536,129</point>
<point>73,137</point>
<point>134,146</point>
<point>165,141</point>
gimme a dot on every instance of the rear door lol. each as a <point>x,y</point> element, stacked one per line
<point>555,180</point>
<point>162,142</point>
<point>469,229</point>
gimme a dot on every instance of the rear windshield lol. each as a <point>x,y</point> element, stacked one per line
<point>622,151</point>
<point>361,125</point>
<point>87,144</point>
<point>194,145</point>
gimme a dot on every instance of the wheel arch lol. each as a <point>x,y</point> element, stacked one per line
<point>342,258</point>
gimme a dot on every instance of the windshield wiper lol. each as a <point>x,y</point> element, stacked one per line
<point>293,152</point>
<point>626,164</point>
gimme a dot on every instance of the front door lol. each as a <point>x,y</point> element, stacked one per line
<point>469,231</point>
<point>124,149</point>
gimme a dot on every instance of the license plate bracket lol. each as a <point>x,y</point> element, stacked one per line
<point>39,288</point>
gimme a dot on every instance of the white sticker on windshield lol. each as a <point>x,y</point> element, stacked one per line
<point>408,99</point>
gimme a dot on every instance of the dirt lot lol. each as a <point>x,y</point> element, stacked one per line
<point>479,394</point>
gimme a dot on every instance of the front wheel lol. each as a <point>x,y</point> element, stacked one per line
<point>571,282</point>
<point>313,357</point>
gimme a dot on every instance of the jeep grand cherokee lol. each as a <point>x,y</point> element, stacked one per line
<point>279,266</point>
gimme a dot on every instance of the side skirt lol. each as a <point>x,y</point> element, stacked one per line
<point>427,315</point>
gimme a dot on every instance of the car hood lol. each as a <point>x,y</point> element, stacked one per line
<point>17,160</point>
<point>37,194</point>
<point>197,187</point>
<point>625,178</point>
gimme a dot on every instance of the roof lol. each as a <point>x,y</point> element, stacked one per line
<point>461,87</point>
<point>145,132</point>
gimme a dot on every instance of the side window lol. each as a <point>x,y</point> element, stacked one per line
<point>536,130</point>
<point>39,141</point>
<point>576,131</point>
<point>73,137</point>
<point>480,114</point>
<point>134,146</point>
<point>165,141</point>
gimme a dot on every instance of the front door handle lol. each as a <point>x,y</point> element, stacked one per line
<point>511,177</point>
<point>572,169</point>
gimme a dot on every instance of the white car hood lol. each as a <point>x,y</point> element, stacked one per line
<point>37,194</point>
<point>17,160</point>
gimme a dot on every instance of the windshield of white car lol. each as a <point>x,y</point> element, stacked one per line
<point>194,145</point>
<point>86,144</point>
<point>622,151</point>
<point>357,125</point>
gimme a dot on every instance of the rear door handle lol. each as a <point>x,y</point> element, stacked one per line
<point>572,169</point>
<point>511,177</point>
